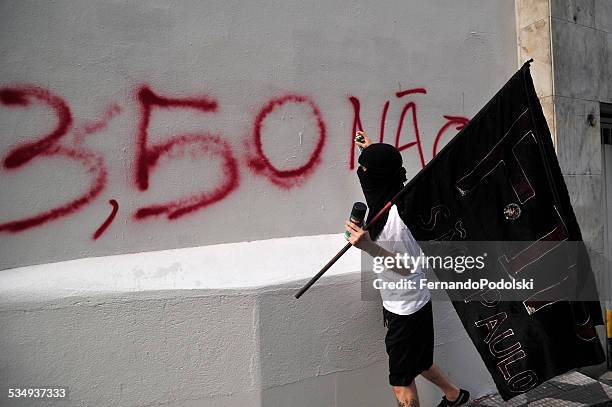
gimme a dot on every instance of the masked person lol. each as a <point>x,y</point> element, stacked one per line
<point>407,312</point>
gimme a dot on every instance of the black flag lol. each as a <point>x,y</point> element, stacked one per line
<point>499,179</point>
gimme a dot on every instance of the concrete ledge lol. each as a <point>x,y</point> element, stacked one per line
<point>223,266</point>
<point>144,342</point>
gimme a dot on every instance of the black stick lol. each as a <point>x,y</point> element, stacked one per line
<point>323,270</point>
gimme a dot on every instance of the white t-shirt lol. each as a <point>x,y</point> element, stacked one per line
<point>396,238</point>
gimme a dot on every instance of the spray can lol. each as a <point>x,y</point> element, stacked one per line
<point>357,215</point>
<point>360,139</point>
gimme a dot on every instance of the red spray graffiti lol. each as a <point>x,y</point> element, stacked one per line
<point>196,144</point>
<point>357,124</point>
<point>417,133</point>
<point>24,96</point>
<point>260,163</point>
<point>48,146</point>
<point>415,124</point>
<point>93,126</point>
<point>108,220</point>
<point>457,121</point>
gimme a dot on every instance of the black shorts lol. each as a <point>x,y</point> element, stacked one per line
<point>409,343</point>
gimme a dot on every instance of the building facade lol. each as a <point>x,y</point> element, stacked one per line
<point>173,171</point>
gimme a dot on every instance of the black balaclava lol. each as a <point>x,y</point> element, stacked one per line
<point>383,178</point>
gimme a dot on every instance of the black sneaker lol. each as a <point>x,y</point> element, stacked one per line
<point>464,397</point>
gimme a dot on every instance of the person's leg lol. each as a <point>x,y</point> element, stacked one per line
<point>437,377</point>
<point>406,395</point>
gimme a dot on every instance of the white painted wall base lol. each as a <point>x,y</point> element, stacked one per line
<point>158,339</point>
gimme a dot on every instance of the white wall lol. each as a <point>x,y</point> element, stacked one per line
<point>216,324</point>
<point>92,57</point>
<point>152,329</point>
